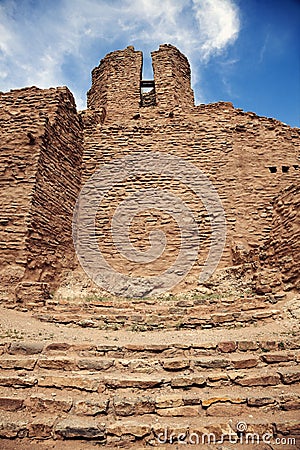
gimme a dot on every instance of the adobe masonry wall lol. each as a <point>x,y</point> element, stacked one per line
<point>248,158</point>
<point>282,250</point>
<point>172,78</point>
<point>235,149</point>
<point>116,83</point>
<point>41,151</point>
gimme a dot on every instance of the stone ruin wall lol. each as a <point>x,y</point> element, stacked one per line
<point>172,76</point>
<point>116,83</point>
<point>41,151</point>
<point>249,159</point>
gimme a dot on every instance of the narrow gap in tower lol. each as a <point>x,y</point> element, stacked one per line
<point>147,84</point>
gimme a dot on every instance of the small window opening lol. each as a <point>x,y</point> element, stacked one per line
<point>296,167</point>
<point>285,169</point>
<point>148,93</point>
<point>273,169</point>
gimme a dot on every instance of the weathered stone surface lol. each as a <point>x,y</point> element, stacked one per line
<point>168,401</point>
<point>90,407</point>
<point>11,403</point>
<point>128,406</point>
<point>180,411</point>
<point>271,358</point>
<point>222,317</point>
<point>206,402</point>
<point>220,376</point>
<point>123,428</point>
<point>269,345</point>
<point>148,347</point>
<point>26,348</point>
<point>41,427</point>
<point>259,380</point>
<point>290,402</point>
<point>247,345</point>
<point>175,364</point>
<point>8,362</point>
<point>290,375</point>
<point>260,401</point>
<point>225,410</point>
<point>134,382</point>
<point>244,363</point>
<point>95,363</point>
<point>12,430</point>
<point>42,403</point>
<point>227,347</point>
<point>57,363</point>
<point>289,427</point>
<point>76,382</point>
<point>83,428</point>
<point>58,346</point>
<point>186,381</point>
<point>17,381</point>
<point>211,363</point>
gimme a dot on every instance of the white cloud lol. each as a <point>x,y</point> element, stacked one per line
<point>37,39</point>
<point>218,24</point>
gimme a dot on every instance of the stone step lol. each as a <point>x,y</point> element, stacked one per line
<point>159,307</point>
<point>172,320</point>
<point>152,431</point>
<point>236,360</point>
<point>94,381</point>
<point>149,350</point>
<point>167,404</point>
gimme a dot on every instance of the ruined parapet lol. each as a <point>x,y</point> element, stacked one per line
<point>41,152</point>
<point>116,83</point>
<point>172,78</point>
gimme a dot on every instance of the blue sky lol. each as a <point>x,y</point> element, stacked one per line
<point>243,51</point>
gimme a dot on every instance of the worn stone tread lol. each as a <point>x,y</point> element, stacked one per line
<point>205,347</point>
<point>169,364</point>
<point>148,428</point>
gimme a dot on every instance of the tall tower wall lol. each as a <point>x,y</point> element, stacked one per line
<point>172,78</point>
<point>116,84</point>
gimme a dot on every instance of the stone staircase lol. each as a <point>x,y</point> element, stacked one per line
<point>197,312</point>
<point>159,393</point>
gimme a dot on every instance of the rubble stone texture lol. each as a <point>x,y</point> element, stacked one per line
<point>41,151</point>
<point>283,248</point>
<point>48,151</point>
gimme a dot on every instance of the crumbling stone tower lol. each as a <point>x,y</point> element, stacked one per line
<point>117,82</point>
